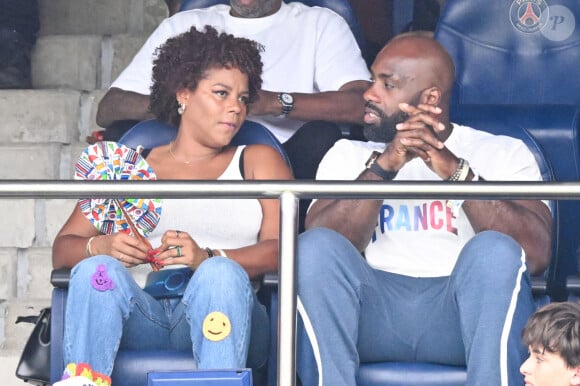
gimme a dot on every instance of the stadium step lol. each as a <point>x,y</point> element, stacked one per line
<point>82,46</point>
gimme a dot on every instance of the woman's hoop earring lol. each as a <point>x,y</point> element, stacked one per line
<point>180,108</point>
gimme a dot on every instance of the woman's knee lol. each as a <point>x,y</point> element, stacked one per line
<point>222,272</point>
<point>100,264</point>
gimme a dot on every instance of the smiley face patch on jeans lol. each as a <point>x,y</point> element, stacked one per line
<point>216,326</point>
<point>100,280</point>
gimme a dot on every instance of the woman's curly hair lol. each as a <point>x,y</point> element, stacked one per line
<point>182,61</point>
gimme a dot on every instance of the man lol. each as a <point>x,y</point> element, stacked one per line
<point>313,71</point>
<point>443,281</point>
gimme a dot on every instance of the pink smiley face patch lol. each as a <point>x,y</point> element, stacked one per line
<point>100,280</point>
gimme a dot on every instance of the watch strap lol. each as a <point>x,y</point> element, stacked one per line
<point>376,169</point>
<point>286,107</point>
<point>386,175</point>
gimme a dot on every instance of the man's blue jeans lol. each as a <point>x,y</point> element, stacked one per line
<point>352,313</point>
<point>112,312</point>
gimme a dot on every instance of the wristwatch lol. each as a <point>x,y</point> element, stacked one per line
<point>375,168</point>
<point>287,102</point>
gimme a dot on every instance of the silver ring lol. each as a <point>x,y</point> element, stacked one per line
<point>178,251</point>
<point>177,233</point>
<point>121,258</point>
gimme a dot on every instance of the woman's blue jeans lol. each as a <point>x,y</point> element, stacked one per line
<point>107,310</point>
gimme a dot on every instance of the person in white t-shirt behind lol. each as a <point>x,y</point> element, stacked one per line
<point>444,281</point>
<point>313,71</point>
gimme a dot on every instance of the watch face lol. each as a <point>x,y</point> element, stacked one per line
<point>287,98</point>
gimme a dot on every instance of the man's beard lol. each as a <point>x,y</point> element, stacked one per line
<point>385,131</point>
<point>259,9</point>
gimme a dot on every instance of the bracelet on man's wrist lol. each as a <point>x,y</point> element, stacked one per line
<point>455,205</point>
<point>461,172</point>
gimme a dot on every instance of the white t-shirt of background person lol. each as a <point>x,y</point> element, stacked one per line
<point>422,237</point>
<point>306,50</point>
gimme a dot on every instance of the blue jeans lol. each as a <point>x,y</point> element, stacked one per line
<point>107,310</point>
<point>352,313</point>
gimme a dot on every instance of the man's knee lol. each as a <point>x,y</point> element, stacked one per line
<point>320,250</point>
<point>317,240</point>
<point>489,251</point>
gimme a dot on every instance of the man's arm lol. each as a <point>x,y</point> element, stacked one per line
<point>529,222</point>
<point>118,105</point>
<point>343,106</point>
<point>354,219</point>
<point>128,97</point>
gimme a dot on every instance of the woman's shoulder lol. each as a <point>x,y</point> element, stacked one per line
<point>264,161</point>
<point>261,149</point>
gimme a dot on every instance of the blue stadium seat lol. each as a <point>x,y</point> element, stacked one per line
<point>151,133</point>
<point>513,52</point>
<point>132,366</point>
<point>524,52</point>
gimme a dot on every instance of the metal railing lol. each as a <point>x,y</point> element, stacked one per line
<point>288,192</point>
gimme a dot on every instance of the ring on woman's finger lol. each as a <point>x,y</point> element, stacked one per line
<point>177,233</point>
<point>178,251</point>
<point>121,257</point>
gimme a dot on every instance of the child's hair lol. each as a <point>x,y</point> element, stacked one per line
<point>556,328</point>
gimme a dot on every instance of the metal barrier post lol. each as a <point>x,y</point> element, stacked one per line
<point>287,192</point>
<point>286,290</point>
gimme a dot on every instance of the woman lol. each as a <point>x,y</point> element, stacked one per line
<point>202,83</point>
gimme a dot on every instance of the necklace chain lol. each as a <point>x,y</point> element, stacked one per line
<point>187,162</point>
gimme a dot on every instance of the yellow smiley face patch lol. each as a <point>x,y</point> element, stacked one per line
<point>216,326</point>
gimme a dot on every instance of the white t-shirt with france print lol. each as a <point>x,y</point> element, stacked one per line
<point>422,238</point>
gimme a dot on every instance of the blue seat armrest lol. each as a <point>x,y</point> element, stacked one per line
<point>59,278</point>
<point>573,285</point>
<point>539,285</point>
<point>270,279</point>
<point>58,306</point>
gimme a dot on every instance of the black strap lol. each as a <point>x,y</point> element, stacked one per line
<point>145,152</point>
<point>242,169</point>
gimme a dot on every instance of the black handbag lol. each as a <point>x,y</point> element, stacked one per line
<point>34,364</point>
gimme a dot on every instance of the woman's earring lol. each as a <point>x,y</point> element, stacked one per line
<point>180,108</point>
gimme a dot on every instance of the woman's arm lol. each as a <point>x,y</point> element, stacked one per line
<point>262,162</point>
<point>70,244</point>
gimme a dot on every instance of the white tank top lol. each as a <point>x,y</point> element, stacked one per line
<point>216,223</point>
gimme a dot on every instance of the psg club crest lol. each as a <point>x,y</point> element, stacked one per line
<point>529,16</point>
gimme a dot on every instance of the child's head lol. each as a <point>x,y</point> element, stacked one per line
<point>553,337</point>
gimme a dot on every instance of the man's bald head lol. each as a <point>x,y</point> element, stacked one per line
<point>413,69</point>
<point>421,56</point>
